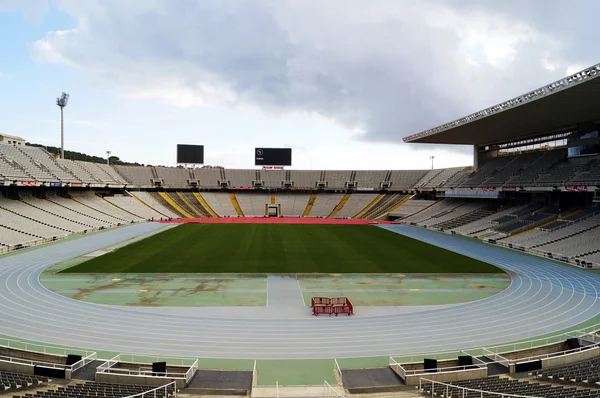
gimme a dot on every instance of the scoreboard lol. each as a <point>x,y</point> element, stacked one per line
<point>190,154</point>
<point>272,156</point>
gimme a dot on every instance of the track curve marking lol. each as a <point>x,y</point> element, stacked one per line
<point>543,297</point>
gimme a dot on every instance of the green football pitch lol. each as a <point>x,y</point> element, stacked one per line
<point>280,248</point>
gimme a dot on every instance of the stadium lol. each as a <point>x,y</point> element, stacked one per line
<point>162,281</point>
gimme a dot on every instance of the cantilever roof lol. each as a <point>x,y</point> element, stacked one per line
<point>557,106</point>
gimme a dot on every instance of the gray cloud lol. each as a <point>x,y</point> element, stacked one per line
<point>385,68</point>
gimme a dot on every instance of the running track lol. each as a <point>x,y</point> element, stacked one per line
<point>543,297</point>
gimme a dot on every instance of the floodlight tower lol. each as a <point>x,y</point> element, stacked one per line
<point>432,157</point>
<point>62,102</point>
<point>108,158</point>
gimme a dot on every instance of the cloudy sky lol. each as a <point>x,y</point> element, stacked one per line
<point>339,81</point>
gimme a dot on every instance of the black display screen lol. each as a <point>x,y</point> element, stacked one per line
<point>190,154</point>
<point>273,157</point>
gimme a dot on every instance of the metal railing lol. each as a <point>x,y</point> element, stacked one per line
<point>109,367</point>
<point>87,356</point>
<point>329,391</point>
<point>502,348</point>
<point>461,391</point>
<point>163,390</point>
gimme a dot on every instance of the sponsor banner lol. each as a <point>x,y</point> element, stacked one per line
<point>28,183</point>
<point>97,185</point>
<point>467,193</point>
<point>576,188</point>
<point>365,189</point>
<point>488,189</point>
<point>77,184</point>
<point>509,189</point>
<point>272,168</point>
<point>56,184</point>
<point>242,187</point>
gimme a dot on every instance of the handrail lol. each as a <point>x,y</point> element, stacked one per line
<point>339,370</point>
<point>191,371</point>
<point>154,390</point>
<point>328,389</point>
<point>448,386</point>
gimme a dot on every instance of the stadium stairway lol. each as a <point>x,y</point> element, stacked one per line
<point>141,201</point>
<point>339,206</point>
<point>180,203</point>
<point>309,205</point>
<point>236,204</point>
<point>391,206</point>
<point>272,198</point>
<point>205,205</point>
<point>166,199</point>
<point>386,202</point>
<point>190,206</point>
<point>371,205</point>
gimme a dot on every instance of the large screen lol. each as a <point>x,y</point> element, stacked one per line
<point>273,157</point>
<point>190,154</point>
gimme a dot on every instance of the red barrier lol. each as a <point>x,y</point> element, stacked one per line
<point>334,305</point>
<point>320,301</point>
<point>322,309</point>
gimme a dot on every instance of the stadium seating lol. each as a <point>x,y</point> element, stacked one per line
<point>539,166</point>
<point>131,208</point>
<point>305,178</point>
<point>584,373</point>
<point>220,203</point>
<point>209,176</point>
<point>463,215</point>
<point>337,179</point>
<point>272,178</point>
<point>253,204</point>
<point>292,204</point>
<point>95,390</point>
<point>12,382</point>
<point>411,207</point>
<point>173,176</point>
<point>146,198</point>
<point>355,204</point>
<point>44,160</point>
<point>571,226</point>
<point>370,178</point>
<point>406,178</point>
<point>20,160</point>
<point>434,212</point>
<point>508,386</point>
<point>324,204</point>
<point>137,175</point>
<point>120,213</point>
<point>240,178</point>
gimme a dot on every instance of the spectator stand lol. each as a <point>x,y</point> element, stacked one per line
<point>437,388</point>
<point>331,306</point>
<point>150,371</point>
<point>41,360</point>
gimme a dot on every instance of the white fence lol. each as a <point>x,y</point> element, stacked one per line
<point>86,356</point>
<point>109,366</point>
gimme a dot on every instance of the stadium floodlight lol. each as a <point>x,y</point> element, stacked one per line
<point>62,103</point>
<point>432,157</point>
<point>108,158</point>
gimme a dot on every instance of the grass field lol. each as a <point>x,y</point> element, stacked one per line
<point>268,248</point>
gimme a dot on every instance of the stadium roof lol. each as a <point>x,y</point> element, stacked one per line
<point>558,106</point>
